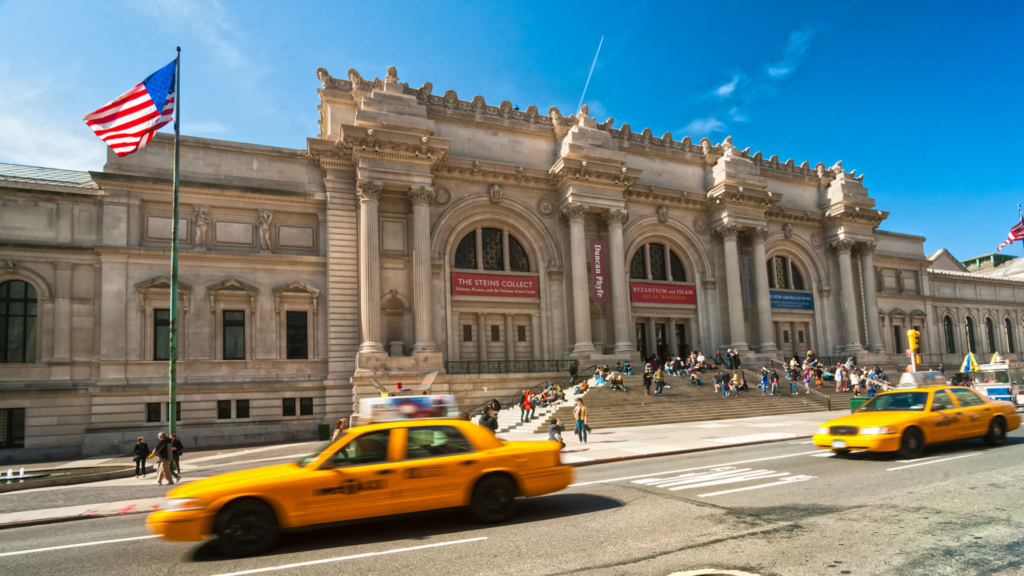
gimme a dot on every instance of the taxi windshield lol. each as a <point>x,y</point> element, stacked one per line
<point>305,460</point>
<point>897,401</point>
<point>992,377</point>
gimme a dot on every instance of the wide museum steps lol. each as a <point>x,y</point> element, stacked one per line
<point>684,402</point>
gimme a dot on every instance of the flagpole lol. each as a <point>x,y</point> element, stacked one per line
<point>172,406</point>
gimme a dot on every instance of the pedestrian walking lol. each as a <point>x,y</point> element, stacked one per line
<point>163,453</point>
<point>177,448</point>
<point>735,384</point>
<point>648,379</point>
<point>762,382</point>
<point>339,429</point>
<point>555,432</point>
<point>579,413</point>
<point>659,382</point>
<point>524,407</point>
<point>774,379</point>
<point>141,453</point>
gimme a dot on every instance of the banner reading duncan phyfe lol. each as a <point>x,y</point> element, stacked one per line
<point>598,281</point>
<point>464,284</point>
<point>662,294</point>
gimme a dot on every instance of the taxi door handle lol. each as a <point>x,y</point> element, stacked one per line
<point>385,471</point>
<point>467,462</point>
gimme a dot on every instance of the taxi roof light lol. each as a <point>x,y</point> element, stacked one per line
<point>392,408</point>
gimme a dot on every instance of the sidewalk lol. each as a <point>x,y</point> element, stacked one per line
<point>140,495</point>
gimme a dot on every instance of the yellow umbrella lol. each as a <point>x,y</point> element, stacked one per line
<point>970,364</point>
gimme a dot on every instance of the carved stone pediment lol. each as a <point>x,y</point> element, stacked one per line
<point>229,288</point>
<point>295,289</point>
<point>160,287</point>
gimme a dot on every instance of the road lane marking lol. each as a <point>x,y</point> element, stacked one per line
<point>932,462</point>
<point>78,545</point>
<point>918,459</point>
<point>352,557</point>
<point>761,475</point>
<point>692,469</point>
<point>789,480</point>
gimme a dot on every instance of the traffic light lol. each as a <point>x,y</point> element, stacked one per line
<point>914,340</point>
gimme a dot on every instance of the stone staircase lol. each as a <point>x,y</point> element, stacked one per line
<point>684,402</point>
<point>508,417</point>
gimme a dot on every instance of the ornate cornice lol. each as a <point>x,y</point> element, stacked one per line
<point>489,172</point>
<point>567,169</point>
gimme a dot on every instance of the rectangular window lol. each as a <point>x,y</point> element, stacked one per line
<point>177,411</point>
<point>305,406</point>
<point>897,339</point>
<point>467,333</point>
<point>288,407</point>
<point>241,408</point>
<point>800,336</point>
<point>234,335</point>
<point>521,333</point>
<point>296,336</point>
<point>153,412</point>
<point>223,409</point>
<point>12,428</point>
<point>495,333</point>
<point>785,336</point>
<point>161,334</point>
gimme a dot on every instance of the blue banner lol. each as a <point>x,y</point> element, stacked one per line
<point>792,300</point>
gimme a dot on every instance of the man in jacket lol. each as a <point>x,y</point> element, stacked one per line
<point>555,432</point>
<point>141,453</point>
<point>163,451</point>
<point>487,420</point>
<point>177,448</point>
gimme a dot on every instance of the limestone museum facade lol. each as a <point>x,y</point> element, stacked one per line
<point>419,232</point>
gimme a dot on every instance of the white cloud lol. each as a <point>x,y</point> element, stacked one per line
<point>798,43</point>
<point>202,127</point>
<point>737,115</point>
<point>779,72</point>
<point>726,90</point>
<point>211,22</point>
<point>703,126</point>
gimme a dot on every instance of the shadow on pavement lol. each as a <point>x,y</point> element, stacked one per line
<point>936,451</point>
<point>419,526</point>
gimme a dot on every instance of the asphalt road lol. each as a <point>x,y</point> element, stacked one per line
<point>783,508</point>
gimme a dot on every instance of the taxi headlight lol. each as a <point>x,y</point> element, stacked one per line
<point>183,504</point>
<point>878,430</point>
<point>822,430</point>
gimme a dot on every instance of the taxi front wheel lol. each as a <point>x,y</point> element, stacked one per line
<point>996,433</point>
<point>246,527</point>
<point>912,444</point>
<point>494,499</point>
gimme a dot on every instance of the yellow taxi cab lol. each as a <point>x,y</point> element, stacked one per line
<point>907,420</point>
<point>380,469</point>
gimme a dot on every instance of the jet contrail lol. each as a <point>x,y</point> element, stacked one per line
<point>585,86</point>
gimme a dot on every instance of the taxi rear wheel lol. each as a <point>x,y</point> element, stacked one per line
<point>494,499</point>
<point>840,453</point>
<point>996,433</point>
<point>912,444</point>
<point>246,527</point>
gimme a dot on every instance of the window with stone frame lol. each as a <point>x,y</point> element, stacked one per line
<point>18,309</point>
<point>950,333</point>
<point>798,279</point>
<point>990,335</point>
<point>465,254</point>
<point>161,334</point>
<point>518,261</point>
<point>657,252</point>
<point>1011,347</point>
<point>12,428</point>
<point>969,326</point>
<point>493,249</point>
<point>296,337</point>
<point>638,266</point>
<point>678,272</point>
<point>288,407</point>
<point>234,334</point>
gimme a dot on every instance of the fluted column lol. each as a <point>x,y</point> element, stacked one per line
<point>420,198</point>
<point>510,344</point>
<point>619,283</point>
<point>62,313</point>
<point>843,249</point>
<point>670,338</point>
<point>369,267</point>
<point>764,300</point>
<point>652,337</point>
<point>535,336</point>
<point>867,271</point>
<point>733,287</point>
<point>575,213</point>
<point>481,329</point>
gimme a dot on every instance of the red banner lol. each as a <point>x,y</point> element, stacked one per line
<point>598,278</point>
<point>662,293</point>
<point>464,284</point>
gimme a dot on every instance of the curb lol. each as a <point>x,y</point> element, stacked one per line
<point>126,472</point>
<point>681,451</point>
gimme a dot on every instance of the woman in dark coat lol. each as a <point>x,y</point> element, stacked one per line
<point>140,454</point>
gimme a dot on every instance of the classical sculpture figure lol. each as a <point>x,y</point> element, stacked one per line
<point>263,224</point>
<point>900,283</point>
<point>202,224</point>
<point>879,280</point>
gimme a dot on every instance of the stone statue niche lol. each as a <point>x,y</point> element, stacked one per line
<point>396,323</point>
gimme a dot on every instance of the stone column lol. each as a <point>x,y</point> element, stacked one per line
<point>456,338</point>
<point>764,301</point>
<point>481,329</point>
<point>420,198</point>
<point>575,213</point>
<point>535,336</point>
<point>510,343</point>
<point>843,249</point>
<point>867,270</point>
<point>369,267</point>
<point>619,283</point>
<point>673,346</point>
<point>652,337</point>
<point>733,287</point>
<point>62,313</point>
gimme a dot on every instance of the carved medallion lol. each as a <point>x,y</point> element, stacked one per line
<point>816,240</point>
<point>662,214</point>
<point>700,224</point>
<point>441,196</point>
<point>546,206</point>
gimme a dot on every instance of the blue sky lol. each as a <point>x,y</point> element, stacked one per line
<point>923,98</point>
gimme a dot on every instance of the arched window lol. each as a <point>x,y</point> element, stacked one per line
<point>783,274</point>
<point>990,334</point>
<point>970,335</point>
<point>465,254</point>
<point>1011,348</point>
<point>664,265</point>
<point>492,255</point>
<point>18,308</point>
<point>947,328</point>
<point>638,266</point>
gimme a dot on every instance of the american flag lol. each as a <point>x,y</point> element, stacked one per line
<point>1016,233</point>
<point>129,122</point>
